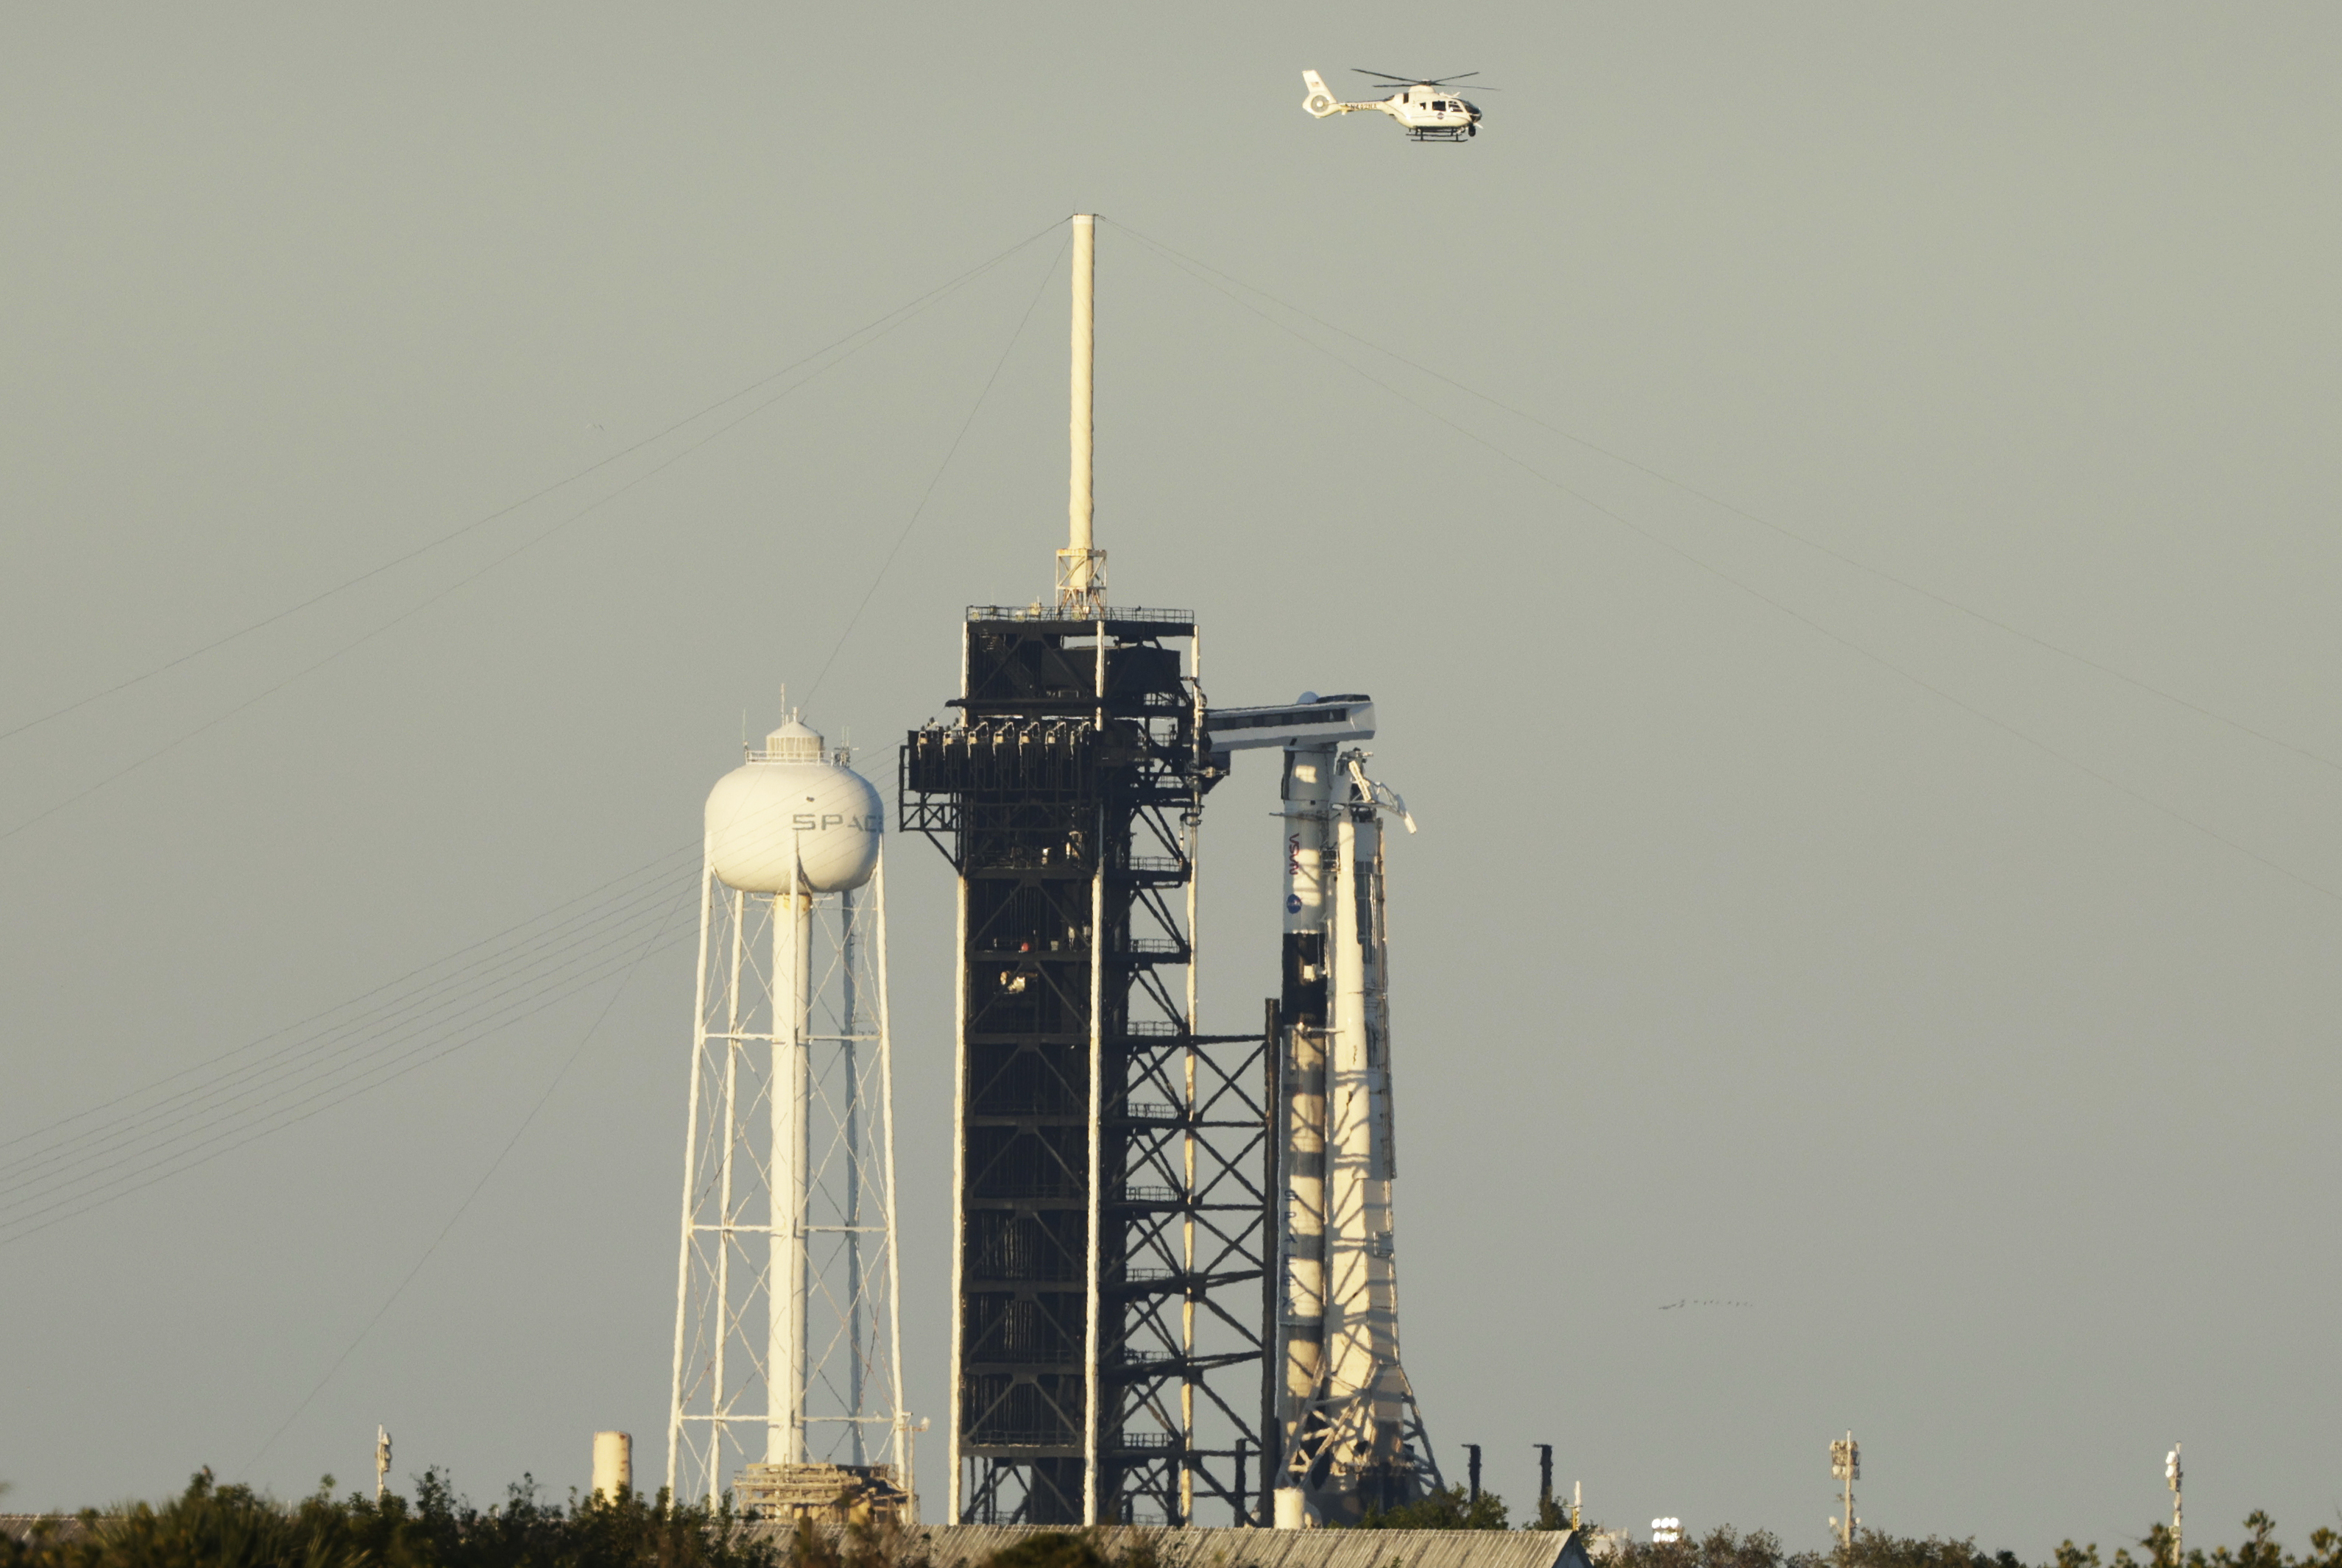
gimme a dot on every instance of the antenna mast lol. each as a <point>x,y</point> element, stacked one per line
<point>1081,567</point>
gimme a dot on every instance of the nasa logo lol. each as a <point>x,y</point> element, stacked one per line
<point>1291,904</point>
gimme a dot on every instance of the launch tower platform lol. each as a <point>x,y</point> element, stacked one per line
<point>1112,1171</point>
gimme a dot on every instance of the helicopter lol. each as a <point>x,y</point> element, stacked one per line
<point>1427,107</point>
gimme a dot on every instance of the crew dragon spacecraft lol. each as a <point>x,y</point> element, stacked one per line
<point>1174,1257</point>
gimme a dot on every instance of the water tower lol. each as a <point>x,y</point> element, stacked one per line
<point>787,1385</point>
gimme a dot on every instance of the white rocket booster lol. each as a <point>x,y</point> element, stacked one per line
<point>1348,1434</point>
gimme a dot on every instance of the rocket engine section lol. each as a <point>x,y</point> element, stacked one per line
<point>794,819</point>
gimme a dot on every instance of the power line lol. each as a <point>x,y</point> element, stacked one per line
<point>887,322</point>
<point>1880,573</point>
<point>116,1182</point>
<point>429,600</point>
<point>469,1198</point>
<point>1718,572</point>
<point>434,1012</point>
<point>147,1140</point>
<point>484,944</point>
<point>153,1133</point>
<point>937,478</point>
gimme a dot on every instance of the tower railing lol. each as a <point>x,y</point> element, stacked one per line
<point>1056,614</point>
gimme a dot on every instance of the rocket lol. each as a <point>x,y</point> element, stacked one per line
<point>1348,1432</point>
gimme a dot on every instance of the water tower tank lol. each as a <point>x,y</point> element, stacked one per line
<point>794,798</point>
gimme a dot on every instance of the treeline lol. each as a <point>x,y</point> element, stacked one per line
<point>213,1526</point>
<point>1726,1548</point>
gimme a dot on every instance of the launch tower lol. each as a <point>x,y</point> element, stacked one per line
<point>1111,1179</point>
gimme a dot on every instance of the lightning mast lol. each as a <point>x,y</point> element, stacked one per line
<point>1081,566</point>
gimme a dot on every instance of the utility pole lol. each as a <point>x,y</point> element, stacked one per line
<point>1545,1477</point>
<point>2171,1474</point>
<point>1473,1470</point>
<point>1846,1465</point>
<point>381,1463</point>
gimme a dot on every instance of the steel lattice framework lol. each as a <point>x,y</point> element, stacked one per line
<point>1113,1164</point>
<point>788,1346</point>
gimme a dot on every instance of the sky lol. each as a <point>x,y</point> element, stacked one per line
<point>1834,504</point>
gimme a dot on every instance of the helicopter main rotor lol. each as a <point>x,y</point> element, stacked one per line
<point>1398,81</point>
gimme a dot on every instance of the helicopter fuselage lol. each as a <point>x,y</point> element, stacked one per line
<point>1426,111</point>
<point>1432,114</point>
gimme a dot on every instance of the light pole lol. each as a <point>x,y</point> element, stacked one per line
<point>2171,1474</point>
<point>1846,1465</point>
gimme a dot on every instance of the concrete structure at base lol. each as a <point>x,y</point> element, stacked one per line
<point>824,1494</point>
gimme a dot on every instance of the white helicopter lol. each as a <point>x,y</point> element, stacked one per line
<point>1428,109</point>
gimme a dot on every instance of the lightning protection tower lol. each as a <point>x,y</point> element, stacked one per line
<point>788,1382</point>
<point>1111,1170</point>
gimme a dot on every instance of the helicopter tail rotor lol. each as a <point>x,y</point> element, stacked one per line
<point>1320,102</point>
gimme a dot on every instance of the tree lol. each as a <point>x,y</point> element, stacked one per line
<point>1447,1510</point>
<point>1055,1549</point>
<point>213,1526</point>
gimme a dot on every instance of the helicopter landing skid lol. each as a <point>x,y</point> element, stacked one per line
<point>1441,133</point>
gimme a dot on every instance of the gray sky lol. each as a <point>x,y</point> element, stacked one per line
<point>1776,935</point>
